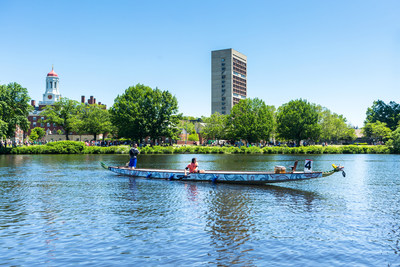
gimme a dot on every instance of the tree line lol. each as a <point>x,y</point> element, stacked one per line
<point>142,112</point>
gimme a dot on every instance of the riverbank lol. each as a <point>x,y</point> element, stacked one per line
<point>74,147</point>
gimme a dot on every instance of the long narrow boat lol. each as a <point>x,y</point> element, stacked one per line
<point>235,177</point>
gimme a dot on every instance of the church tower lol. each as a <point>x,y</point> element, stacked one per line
<point>52,94</point>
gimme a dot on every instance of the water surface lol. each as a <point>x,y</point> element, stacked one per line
<point>58,210</point>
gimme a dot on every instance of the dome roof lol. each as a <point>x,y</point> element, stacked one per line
<point>52,73</point>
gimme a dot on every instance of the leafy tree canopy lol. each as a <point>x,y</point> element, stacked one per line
<point>14,109</point>
<point>142,111</point>
<point>93,119</point>
<point>387,113</point>
<point>63,113</point>
<point>251,120</point>
<point>37,133</point>
<point>396,140</point>
<point>334,126</point>
<point>214,126</point>
<point>377,130</point>
<point>298,120</point>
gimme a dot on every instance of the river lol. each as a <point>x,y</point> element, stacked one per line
<point>58,210</point>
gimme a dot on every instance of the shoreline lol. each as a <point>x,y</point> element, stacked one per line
<point>75,147</point>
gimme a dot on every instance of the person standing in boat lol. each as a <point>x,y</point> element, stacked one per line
<point>133,153</point>
<point>193,167</point>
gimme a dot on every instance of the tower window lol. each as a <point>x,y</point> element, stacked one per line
<point>51,84</point>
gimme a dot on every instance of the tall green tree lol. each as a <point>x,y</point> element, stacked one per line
<point>378,131</point>
<point>251,120</point>
<point>93,119</point>
<point>334,127</point>
<point>214,126</point>
<point>63,113</point>
<point>14,109</point>
<point>298,120</point>
<point>142,111</point>
<point>387,113</point>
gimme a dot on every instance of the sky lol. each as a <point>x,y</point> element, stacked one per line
<point>342,55</point>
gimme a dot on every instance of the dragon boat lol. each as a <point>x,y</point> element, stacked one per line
<point>233,177</point>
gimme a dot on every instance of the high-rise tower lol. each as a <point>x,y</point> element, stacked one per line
<point>52,94</point>
<point>228,79</point>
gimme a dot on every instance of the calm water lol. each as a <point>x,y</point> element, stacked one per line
<point>58,210</point>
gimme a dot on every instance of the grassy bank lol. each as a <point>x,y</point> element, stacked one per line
<point>73,147</point>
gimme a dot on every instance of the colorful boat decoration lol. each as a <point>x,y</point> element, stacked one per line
<point>235,177</point>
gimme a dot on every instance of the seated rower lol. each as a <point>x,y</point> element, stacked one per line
<point>193,167</point>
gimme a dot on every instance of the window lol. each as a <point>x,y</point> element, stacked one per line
<point>223,103</point>
<point>222,59</point>
<point>223,69</point>
<point>34,124</point>
<point>223,76</point>
<point>222,64</point>
<point>223,112</point>
<point>54,124</point>
<point>41,125</point>
<point>48,124</point>
<point>223,107</point>
<point>51,84</point>
<point>223,86</point>
<point>223,90</point>
<point>223,81</point>
<point>223,99</point>
<point>42,118</point>
<point>34,118</point>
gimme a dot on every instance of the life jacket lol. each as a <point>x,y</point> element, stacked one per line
<point>192,167</point>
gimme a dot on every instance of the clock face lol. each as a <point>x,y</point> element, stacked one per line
<point>49,96</point>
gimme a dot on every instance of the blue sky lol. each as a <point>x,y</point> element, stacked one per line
<point>340,54</point>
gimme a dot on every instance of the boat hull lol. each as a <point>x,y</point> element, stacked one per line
<point>235,177</point>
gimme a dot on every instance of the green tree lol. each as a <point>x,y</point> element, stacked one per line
<point>63,113</point>
<point>193,137</point>
<point>214,126</point>
<point>37,133</point>
<point>251,120</point>
<point>93,119</point>
<point>188,127</point>
<point>142,111</point>
<point>378,131</point>
<point>334,127</point>
<point>387,113</point>
<point>298,120</point>
<point>14,109</point>
<point>396,140</point>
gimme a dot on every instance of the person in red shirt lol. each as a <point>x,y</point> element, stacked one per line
<point>193,167</point>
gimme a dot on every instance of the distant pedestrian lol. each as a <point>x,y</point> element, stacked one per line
<point>133,153</point>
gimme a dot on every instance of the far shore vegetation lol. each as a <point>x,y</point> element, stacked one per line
<point>142,113</point>
<point>77,147</point>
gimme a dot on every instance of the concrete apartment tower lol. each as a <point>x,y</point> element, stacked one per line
<point>228,79</point>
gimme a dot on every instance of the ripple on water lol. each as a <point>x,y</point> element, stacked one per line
<point>65,209</point>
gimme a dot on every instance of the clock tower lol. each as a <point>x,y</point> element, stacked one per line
<point>52,94</point>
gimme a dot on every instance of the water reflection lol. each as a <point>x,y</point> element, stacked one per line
<point>230,225</point>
